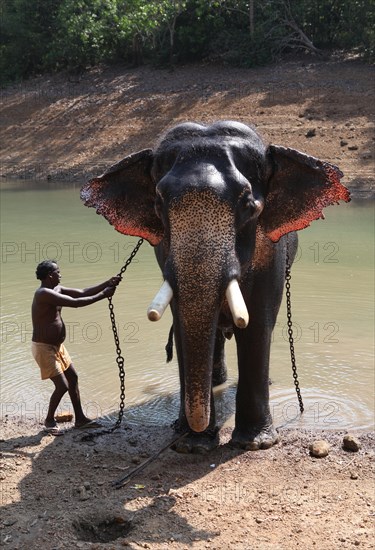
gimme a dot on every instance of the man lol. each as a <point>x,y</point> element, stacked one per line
<point>49,334</point>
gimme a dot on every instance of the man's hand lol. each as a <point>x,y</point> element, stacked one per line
<point>109,291</point>
<point>114,281</point>
<point>91,291</point>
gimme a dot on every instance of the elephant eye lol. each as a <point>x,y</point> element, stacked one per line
<point>247,203</point>
<point>248,208</point>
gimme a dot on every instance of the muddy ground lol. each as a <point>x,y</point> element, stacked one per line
<point>57,492</point>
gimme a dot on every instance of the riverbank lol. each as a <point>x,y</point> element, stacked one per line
<point>63,128</point>
<point>57,492</point>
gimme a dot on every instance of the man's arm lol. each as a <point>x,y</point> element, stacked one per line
<point>49,296</point>
<point>90,291</point>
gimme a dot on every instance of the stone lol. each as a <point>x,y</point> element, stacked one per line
<point>310,133</point>
<point>64,417</point>
<point>81,492</point>
<point>319,449</point>
<point>351,443</point>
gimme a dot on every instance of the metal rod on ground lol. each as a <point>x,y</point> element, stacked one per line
<point>118,483</point>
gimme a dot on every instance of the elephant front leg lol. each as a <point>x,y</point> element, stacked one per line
<point>253,423</point>
<point>219,371</point>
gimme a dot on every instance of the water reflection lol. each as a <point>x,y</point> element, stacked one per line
<point>332,296</point>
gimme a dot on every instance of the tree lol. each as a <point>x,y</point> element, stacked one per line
<point>85,33</point>
<point>297,39</point>
<point>41,35</point>
<point>26,30</point>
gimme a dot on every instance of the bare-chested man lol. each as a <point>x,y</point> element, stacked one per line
<point>49,334</point>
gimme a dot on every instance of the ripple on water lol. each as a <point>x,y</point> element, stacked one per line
<point>323,410</point>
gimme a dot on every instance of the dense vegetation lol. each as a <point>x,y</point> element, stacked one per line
<point>51,35</point>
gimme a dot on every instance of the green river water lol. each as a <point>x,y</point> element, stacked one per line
<point>333,313</point>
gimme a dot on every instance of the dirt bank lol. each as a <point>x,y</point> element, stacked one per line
<point>65,128</point>
<point>57,493</point>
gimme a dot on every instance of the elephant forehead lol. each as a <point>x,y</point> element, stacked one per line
<point>202,236</point>
<point>192,131</point>
<point>200,214</point>
<point>202,246</point>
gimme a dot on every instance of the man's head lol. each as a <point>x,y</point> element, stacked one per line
<point>45,268</point>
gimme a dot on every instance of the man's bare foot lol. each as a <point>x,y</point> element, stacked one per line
<point>52,428</point>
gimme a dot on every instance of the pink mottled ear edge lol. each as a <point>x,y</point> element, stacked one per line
<point>299,188</point>
<point>125,196</point>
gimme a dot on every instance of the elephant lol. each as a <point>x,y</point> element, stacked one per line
<point>221,209</point>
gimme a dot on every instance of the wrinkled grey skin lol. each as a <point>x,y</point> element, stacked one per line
<point>219,205</point>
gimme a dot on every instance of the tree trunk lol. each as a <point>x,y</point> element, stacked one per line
<point>251,18</point>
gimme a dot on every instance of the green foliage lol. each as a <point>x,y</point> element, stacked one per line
<point>85,33</point>
<point>45,35</point>
<point>196,28</point>
<point>340,24</point>
<point>26,31</point>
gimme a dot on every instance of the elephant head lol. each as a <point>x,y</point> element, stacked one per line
<point>213,200</point>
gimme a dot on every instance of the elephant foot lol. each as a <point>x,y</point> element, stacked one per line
<point>254,439</point>
<point>181,425</point>
<point>197,443</point>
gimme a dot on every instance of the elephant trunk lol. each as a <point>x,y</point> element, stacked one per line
<point>198,322</point>
<point>199,342</point>
<point>203,260</point>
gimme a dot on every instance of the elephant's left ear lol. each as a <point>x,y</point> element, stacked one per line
<point>300,187</point>
<point>125,196</point>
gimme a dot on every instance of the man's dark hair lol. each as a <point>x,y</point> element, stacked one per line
<point>45,268</point>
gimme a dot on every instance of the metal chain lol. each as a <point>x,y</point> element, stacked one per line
<point>290,327</point>
<point>119,359</point>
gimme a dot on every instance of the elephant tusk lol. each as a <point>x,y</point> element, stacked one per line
<point>237,304</point>
<point>160,302</point>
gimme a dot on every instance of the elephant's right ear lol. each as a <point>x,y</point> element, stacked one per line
<point>125,196</point>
